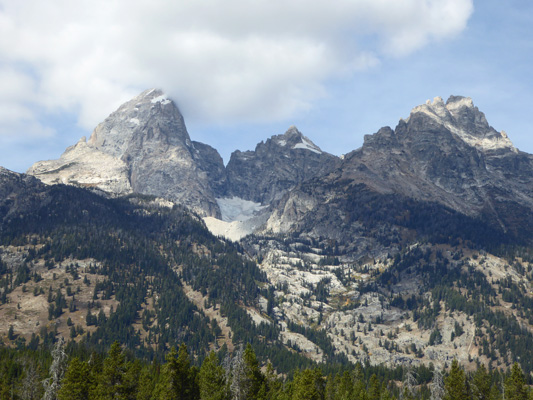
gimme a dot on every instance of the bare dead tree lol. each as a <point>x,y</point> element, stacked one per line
<point>57,370</point>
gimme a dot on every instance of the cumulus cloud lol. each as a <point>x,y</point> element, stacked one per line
<point>221,60</point>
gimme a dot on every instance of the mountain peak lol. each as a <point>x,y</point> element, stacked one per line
<point>142,147</point>
<point>148,117</point>
<point>292,131</point>
<point>294,139</point>
<point>463,119</point>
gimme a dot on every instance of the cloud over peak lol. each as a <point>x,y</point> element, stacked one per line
<point>220,60</point>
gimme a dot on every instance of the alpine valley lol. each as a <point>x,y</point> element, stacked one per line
<point>414,249</point>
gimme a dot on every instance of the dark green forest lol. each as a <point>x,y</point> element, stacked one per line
<point>58,372</point>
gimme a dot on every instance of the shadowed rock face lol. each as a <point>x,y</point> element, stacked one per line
<point>276,166</point>
<point>443,153</point>
<point>142,147</point>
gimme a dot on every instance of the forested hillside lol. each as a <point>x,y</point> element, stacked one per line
<point>32,374</point>
<point>106,270</point>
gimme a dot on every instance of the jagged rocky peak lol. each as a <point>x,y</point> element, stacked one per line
<point>149,117</point>
<point>275,166</point>
<point>444,153</point>
<point>142,147</point>
<point>463,120</point>
<point>294,139</point>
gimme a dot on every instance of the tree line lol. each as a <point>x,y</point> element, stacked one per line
<point>118,374</point>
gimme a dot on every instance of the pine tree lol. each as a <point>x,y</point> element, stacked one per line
<point>359,387</point>
<point>308,385</point>
<point>177,378</point>
<point>146,385</point>
<point>515,386</point>
<point>331,388</point>
<point>76,383</point>
<point>455,384</point>
<point>111,382</point>
<point>481,384</point>
<point>213,380</point>
<point>344,386</point>
<point>254,376</point>
<point>274,386</point>
<point>11,333</point>
<point>374,388</point>
<point>131,379</point>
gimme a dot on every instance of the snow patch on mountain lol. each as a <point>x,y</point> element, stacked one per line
<point>307,145</point>
<point>239,218</point>
<point>235,230</point>
<point>161,99</point>
<point>237,209</point>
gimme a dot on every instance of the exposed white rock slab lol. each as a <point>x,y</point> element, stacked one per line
<point>237,209</point>
<point>239,218</point>
<point>462,118</point>
<point>85,166</point>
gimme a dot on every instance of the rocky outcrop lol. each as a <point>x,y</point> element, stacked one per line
<point>210,162</point>
<point>443,153</point>
<point>143,147</point>
<point>276,166</point>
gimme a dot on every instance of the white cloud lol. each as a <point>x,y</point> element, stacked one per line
<point>221,60</point>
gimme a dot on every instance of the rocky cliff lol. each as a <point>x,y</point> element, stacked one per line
<point>276,166</point>
<point>443,153</point>
<point>142,147</point>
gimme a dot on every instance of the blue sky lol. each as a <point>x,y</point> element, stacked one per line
<point>241,73</point>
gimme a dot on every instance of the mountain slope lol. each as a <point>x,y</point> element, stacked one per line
<point>135,269</point>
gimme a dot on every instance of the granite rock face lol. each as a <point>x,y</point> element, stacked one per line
<point>142,147</point>
<point>443,153</point>
<point>276,166</point>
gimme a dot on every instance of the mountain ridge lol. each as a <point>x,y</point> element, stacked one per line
<point>413,249</point>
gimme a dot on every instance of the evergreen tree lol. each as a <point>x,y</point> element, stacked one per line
<point>146,385</point>
<point>111,382</point>
<point>131,379</point>
<point>359,387</point>
<point>177,378</point>
<point>330,390</point>
<point>455,384</point>
<point>481,384</point>
<point>213,380</point>
<point>76,383</point>
<point>308,385</point>
<point>374,388</point>
<point>515,386</point>
<point>344,386</point>
<point>495,393</point>
<point>254,376</point>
